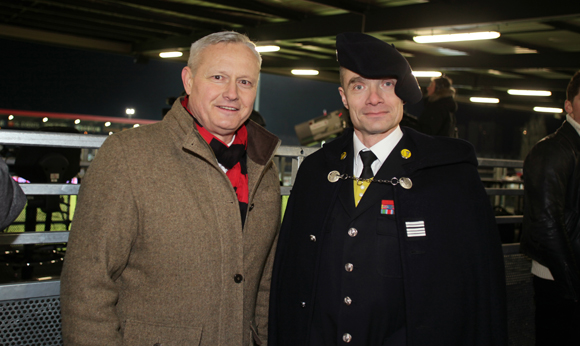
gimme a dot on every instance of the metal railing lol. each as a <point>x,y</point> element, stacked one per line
<point>37,138</point>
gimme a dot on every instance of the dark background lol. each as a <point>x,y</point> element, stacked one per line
<point>38,77</point>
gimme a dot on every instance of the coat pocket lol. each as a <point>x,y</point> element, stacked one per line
<point>388,255</point>
<point>138,333</point>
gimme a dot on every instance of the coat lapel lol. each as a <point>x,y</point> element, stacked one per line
<point>339,159</point>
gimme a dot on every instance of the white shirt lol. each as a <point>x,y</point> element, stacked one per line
<point>573,122</point>
<point>382,150</point>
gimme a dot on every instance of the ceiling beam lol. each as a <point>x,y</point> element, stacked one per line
<point>65,40</point>
<point>261,8</point>
<point>560,25</point>
<point>73,18</point>
<point>182,9</point>
<point>413,17</point>
<point>480,81</point>
<point>120,13</point>
<point>566,60</point>
<point>397,19</point>
<point>346,5</point>
<point>498,62</point>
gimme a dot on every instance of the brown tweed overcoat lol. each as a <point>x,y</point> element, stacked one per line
<point>157,248</point>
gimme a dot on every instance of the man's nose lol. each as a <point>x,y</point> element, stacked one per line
<point>374,97</point>
<point>231,91</point>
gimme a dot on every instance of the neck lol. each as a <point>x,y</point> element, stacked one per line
<point>226,139</point>
<point>369,140</point>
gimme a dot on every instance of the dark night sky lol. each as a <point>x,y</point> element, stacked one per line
<point>39,77</point>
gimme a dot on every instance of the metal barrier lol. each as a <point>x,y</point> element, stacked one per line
<point>30,311</point>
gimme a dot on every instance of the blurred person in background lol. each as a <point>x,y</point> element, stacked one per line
<point>438,116</point>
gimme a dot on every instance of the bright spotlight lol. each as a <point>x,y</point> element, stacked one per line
<point>305,72</point>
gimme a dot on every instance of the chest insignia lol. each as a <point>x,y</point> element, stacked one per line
<point>415,228</point>
<point>388,207</point>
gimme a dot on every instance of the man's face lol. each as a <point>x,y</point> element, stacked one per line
<point>573,108</point>
<point>375,109</point>
<point>223,89</point>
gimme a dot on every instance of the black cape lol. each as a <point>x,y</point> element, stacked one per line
<point>454,276</point>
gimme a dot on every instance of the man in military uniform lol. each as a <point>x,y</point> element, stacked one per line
<point>388,237</point>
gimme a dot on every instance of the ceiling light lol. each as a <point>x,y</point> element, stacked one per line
<point>170,54</point>
<point>130,111</point>
<point>529,92</point>
<point>78,121</point>
<point>484,99</point>
<point>524,50</point>
<point>11,117</point>
<point>470,36</point>
<point>107,124</point>
<point>136,125</point>
<point>45,119</point>
<point>305,72</point>
<point>427,74</point>
<point>265,49</point>
<point>548,110</point>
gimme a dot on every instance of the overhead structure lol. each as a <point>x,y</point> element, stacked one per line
<point>538,47</point>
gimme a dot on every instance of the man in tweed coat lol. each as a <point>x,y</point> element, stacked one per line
<point>173,238</point>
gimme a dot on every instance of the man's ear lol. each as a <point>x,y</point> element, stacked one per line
<point>343,97</point>
<point>186,78</point>
<point>568,108</point>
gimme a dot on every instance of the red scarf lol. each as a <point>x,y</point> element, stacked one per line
<point>233,158</point>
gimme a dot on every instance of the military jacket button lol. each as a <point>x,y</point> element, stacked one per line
<point>352,232</point>
<point>347,300</point>
<point>346,337</point>
<point>313,238</point>
<point>349,267</point>
<point>238,278</point>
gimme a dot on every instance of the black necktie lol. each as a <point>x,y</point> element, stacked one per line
<point>367,158</point>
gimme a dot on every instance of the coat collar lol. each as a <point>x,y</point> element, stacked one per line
<point>262,144</point>
<point>569,132</point>
<point>425,152</point>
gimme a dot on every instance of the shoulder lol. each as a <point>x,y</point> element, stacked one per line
<point>135,136</point>
<point>330,150</point>
<point>562,139</point>
<point>555,150</point>
<point>436,150</point>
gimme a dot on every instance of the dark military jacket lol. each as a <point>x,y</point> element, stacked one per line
<point>448,255</point>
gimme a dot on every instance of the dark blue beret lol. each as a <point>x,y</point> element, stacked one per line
<point>373,59</point>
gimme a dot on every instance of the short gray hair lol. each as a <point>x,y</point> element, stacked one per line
<point>218,37</point>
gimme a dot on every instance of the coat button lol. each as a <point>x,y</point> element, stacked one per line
<point>346,337</point>
<point>251,207</point>
<point>347,300</point>
<point>352,232</point>
<point>348,267</point>
<point>313,238</point>
<point>238,278</point>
